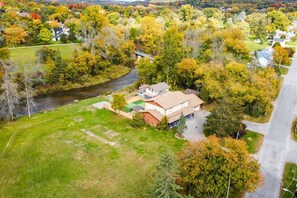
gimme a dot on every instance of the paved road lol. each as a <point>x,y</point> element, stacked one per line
<point>276,145</point>
<point>256,127</point>
<point>194,131</point>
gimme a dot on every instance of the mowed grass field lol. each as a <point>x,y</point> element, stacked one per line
<point>50,155</point>
<point>252,46</point>
<point>25,55</point>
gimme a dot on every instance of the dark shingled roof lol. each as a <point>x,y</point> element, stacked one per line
<point>191,91</point>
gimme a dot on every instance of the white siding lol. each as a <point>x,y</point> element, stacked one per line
<point>176,108</point>
<point>149,106</point>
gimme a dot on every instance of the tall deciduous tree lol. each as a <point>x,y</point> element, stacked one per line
<point>225,119</point>
<point>207,166</point>
<point>15,35</point>
<point>9,98</point>
<point>28,92</point>
<point>278,20</point>
<point>280,55</point>
<point>171,54</point>
<point>147,71</point>
<point>151,35</point>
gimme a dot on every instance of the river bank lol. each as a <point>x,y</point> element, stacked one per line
<point>114,72</point>
<point>60,98</point>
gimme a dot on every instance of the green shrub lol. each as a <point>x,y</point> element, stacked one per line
<point>138,120</point>
<point>63,38</point>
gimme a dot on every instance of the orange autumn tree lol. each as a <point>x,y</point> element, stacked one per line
<point>15,35</point>
<point>207,167</point>
<point>280,55</point>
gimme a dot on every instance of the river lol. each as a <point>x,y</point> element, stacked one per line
<point>61,98</point>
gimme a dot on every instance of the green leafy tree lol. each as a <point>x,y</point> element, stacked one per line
<point>138,120</point>
<point>165,185</point>
<point>72,36</point>
<point>147,71</point>
<point>45,35</point>
<point>186,13</point>
<point>63,38</point>
<point>171,55</point>
<point>278,21</point>
<point>181,127</point>
<point>207,166</point>
<point>151,34</point>
<point>225,119</point>
<point>258,23</point>
<point>163,124</point>
<point>4,54</point>
<point>118,102</point>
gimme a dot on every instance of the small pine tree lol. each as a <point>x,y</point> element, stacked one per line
<point>163,124</point>
<point>165,184</point>
<point>138,120</point>
<point>181,127</point>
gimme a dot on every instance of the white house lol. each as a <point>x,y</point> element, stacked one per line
<point>264,58</point>
<point>57,32</point>
<point>150,91</point>
<point>171,105</point>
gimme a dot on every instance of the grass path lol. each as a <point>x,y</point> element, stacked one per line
<point>8,143</point>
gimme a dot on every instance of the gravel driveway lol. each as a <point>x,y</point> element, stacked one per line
<point>194,131</point>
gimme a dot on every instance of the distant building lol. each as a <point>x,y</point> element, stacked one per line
<point>58,31</point>
<point>150,91</point>
<point>281,41</point>
<point>264,58</point>
<point>191,91</point>
<point>23,14</point>
<point>171,105</point>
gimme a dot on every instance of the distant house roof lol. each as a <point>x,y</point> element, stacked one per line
<point>278,40</point>
<point>265,57</point>
<point>266,53</point>
<point>137,108</point>
<point>160,87</point>
<point>169,99</point>
<point>194,101</point>
<point>191,91</point>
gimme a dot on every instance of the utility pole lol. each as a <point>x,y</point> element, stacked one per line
<point>228,185</point>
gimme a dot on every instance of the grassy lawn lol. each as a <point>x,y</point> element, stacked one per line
<point>293,43</point>
<point>23,55</point>
<point>50,156</point>
<point>253,141</point>
<point>294,129</point>
<point>284,70</point>
<point>288,182</point>
<point>255,46</point>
